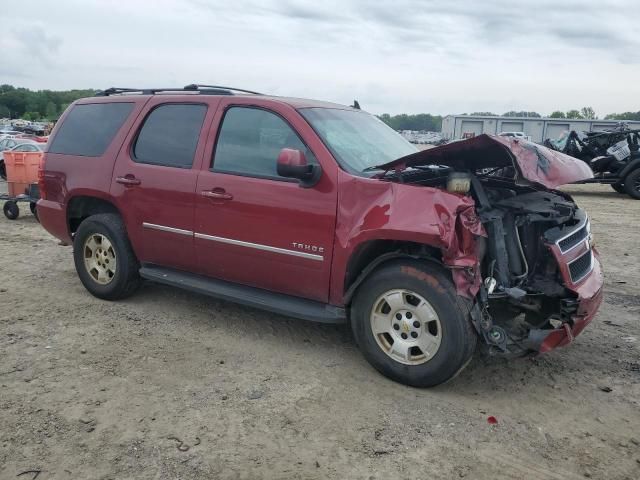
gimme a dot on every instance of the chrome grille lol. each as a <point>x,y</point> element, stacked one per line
<point>574,239</point>
<point>581,266</point>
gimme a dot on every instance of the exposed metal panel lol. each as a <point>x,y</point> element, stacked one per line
<point>512,127</point>
<point>554,130</point>
<point>447,129</point>
<point>471,128</point>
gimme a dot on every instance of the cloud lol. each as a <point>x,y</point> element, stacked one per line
<point>35,42</point>
<point>393,56</point>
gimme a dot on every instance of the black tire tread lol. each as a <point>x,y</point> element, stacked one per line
<point>128,266</point>
<point>11,210</point>
<point>630,184</point>
<point>460,350</point>
<point>618,187</point>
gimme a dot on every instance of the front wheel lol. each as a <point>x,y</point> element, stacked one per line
<point>104,259</point>
<point>632,184</point>
<point>410,324</point>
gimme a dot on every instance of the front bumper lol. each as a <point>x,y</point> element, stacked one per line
<point>589,293</point>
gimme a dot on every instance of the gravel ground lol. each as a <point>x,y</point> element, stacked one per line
<point>169,385</point>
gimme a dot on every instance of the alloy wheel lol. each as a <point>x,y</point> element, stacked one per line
<point>406,327</point>
<point>100,258</point>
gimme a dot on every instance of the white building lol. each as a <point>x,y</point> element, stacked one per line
<point>539,129</point>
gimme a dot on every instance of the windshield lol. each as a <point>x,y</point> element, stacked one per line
<point>357,139</point>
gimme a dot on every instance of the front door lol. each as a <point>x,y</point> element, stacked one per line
<point>154,181</point>
<point>254,227</point>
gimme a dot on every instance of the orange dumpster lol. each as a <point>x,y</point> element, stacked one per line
<point>22,171</point>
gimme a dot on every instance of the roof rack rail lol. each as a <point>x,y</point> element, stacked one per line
<point>192,88</point>
<point>197,86</point>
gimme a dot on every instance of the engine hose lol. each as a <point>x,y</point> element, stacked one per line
<point>524,258</point>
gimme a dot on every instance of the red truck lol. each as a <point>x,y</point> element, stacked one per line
<point>321,212</point>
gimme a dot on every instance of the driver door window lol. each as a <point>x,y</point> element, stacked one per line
<point>250,140</point>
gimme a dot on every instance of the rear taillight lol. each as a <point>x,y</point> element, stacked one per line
<point>41,182</point>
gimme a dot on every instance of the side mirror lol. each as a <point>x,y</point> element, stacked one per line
<point>293,164</point>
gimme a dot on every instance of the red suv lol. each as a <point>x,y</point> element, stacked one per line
<point>320,211</point>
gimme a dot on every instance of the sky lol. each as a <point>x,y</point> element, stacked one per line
<point>421,56</point>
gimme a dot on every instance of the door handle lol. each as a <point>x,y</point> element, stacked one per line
<point>217,194</point>
<point>128,180</point>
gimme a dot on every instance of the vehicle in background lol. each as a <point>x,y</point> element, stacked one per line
<point>322,212</point>
<point>520,135</point>
<point>8,133</point>
<point>7,142</point>
<point>35,128</point>
<point>613,155</point>
<point>33,137</point>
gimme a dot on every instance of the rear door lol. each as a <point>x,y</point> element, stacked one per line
<point>260,229</point>
<point>155,176</point>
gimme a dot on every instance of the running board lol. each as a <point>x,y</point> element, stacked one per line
<point>253,297</point>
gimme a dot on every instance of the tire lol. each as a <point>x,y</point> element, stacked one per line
<point>34,210</point>
<point>100,243</point>
<point>632,184</point>
<point>11,210</point>
<point>405,281</point>
<point>618,187</point>
<point>3,170</point>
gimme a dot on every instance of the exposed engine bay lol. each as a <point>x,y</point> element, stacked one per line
<point>523,294</point>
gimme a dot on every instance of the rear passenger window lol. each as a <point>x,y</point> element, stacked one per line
<point>89,129</point>
<point>250,140</point>
<point>170,135</point>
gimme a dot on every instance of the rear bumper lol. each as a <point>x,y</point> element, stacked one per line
<point>590,294</point>
<point>53,219</point>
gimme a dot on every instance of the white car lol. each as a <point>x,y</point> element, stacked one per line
<point>516,135</point>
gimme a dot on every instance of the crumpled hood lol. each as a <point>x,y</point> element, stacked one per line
<point>533,162</point>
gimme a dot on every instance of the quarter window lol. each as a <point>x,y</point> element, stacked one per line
<point>89,129</point>
<point>250,140</point>
<point>170,134</point>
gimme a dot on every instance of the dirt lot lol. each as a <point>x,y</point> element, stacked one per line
<point>98,390</point>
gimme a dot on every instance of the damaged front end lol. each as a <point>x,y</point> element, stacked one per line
<point>537,281</point>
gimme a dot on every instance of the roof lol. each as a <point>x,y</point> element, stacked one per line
<point>196,89</point>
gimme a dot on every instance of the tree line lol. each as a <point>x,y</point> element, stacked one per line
<point>48,105</point>
<point>424,121</point>
<point>37,105</point>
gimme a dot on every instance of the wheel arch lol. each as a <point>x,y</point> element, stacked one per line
<point>373,254</point>
<point>80,207</point>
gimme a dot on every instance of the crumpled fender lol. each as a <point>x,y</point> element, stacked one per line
<point>371,209</point>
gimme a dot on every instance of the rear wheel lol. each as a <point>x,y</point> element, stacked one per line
<point>104,259</point>
<point>618,187</point>
<point>11,210</point>
<point>410,324</point>
<point>632,184</point>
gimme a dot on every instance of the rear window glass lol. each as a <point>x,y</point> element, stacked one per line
<point>89,129</point>
<point>170,134</point>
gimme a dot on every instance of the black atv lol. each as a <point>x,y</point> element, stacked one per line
<point>613,155</point>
